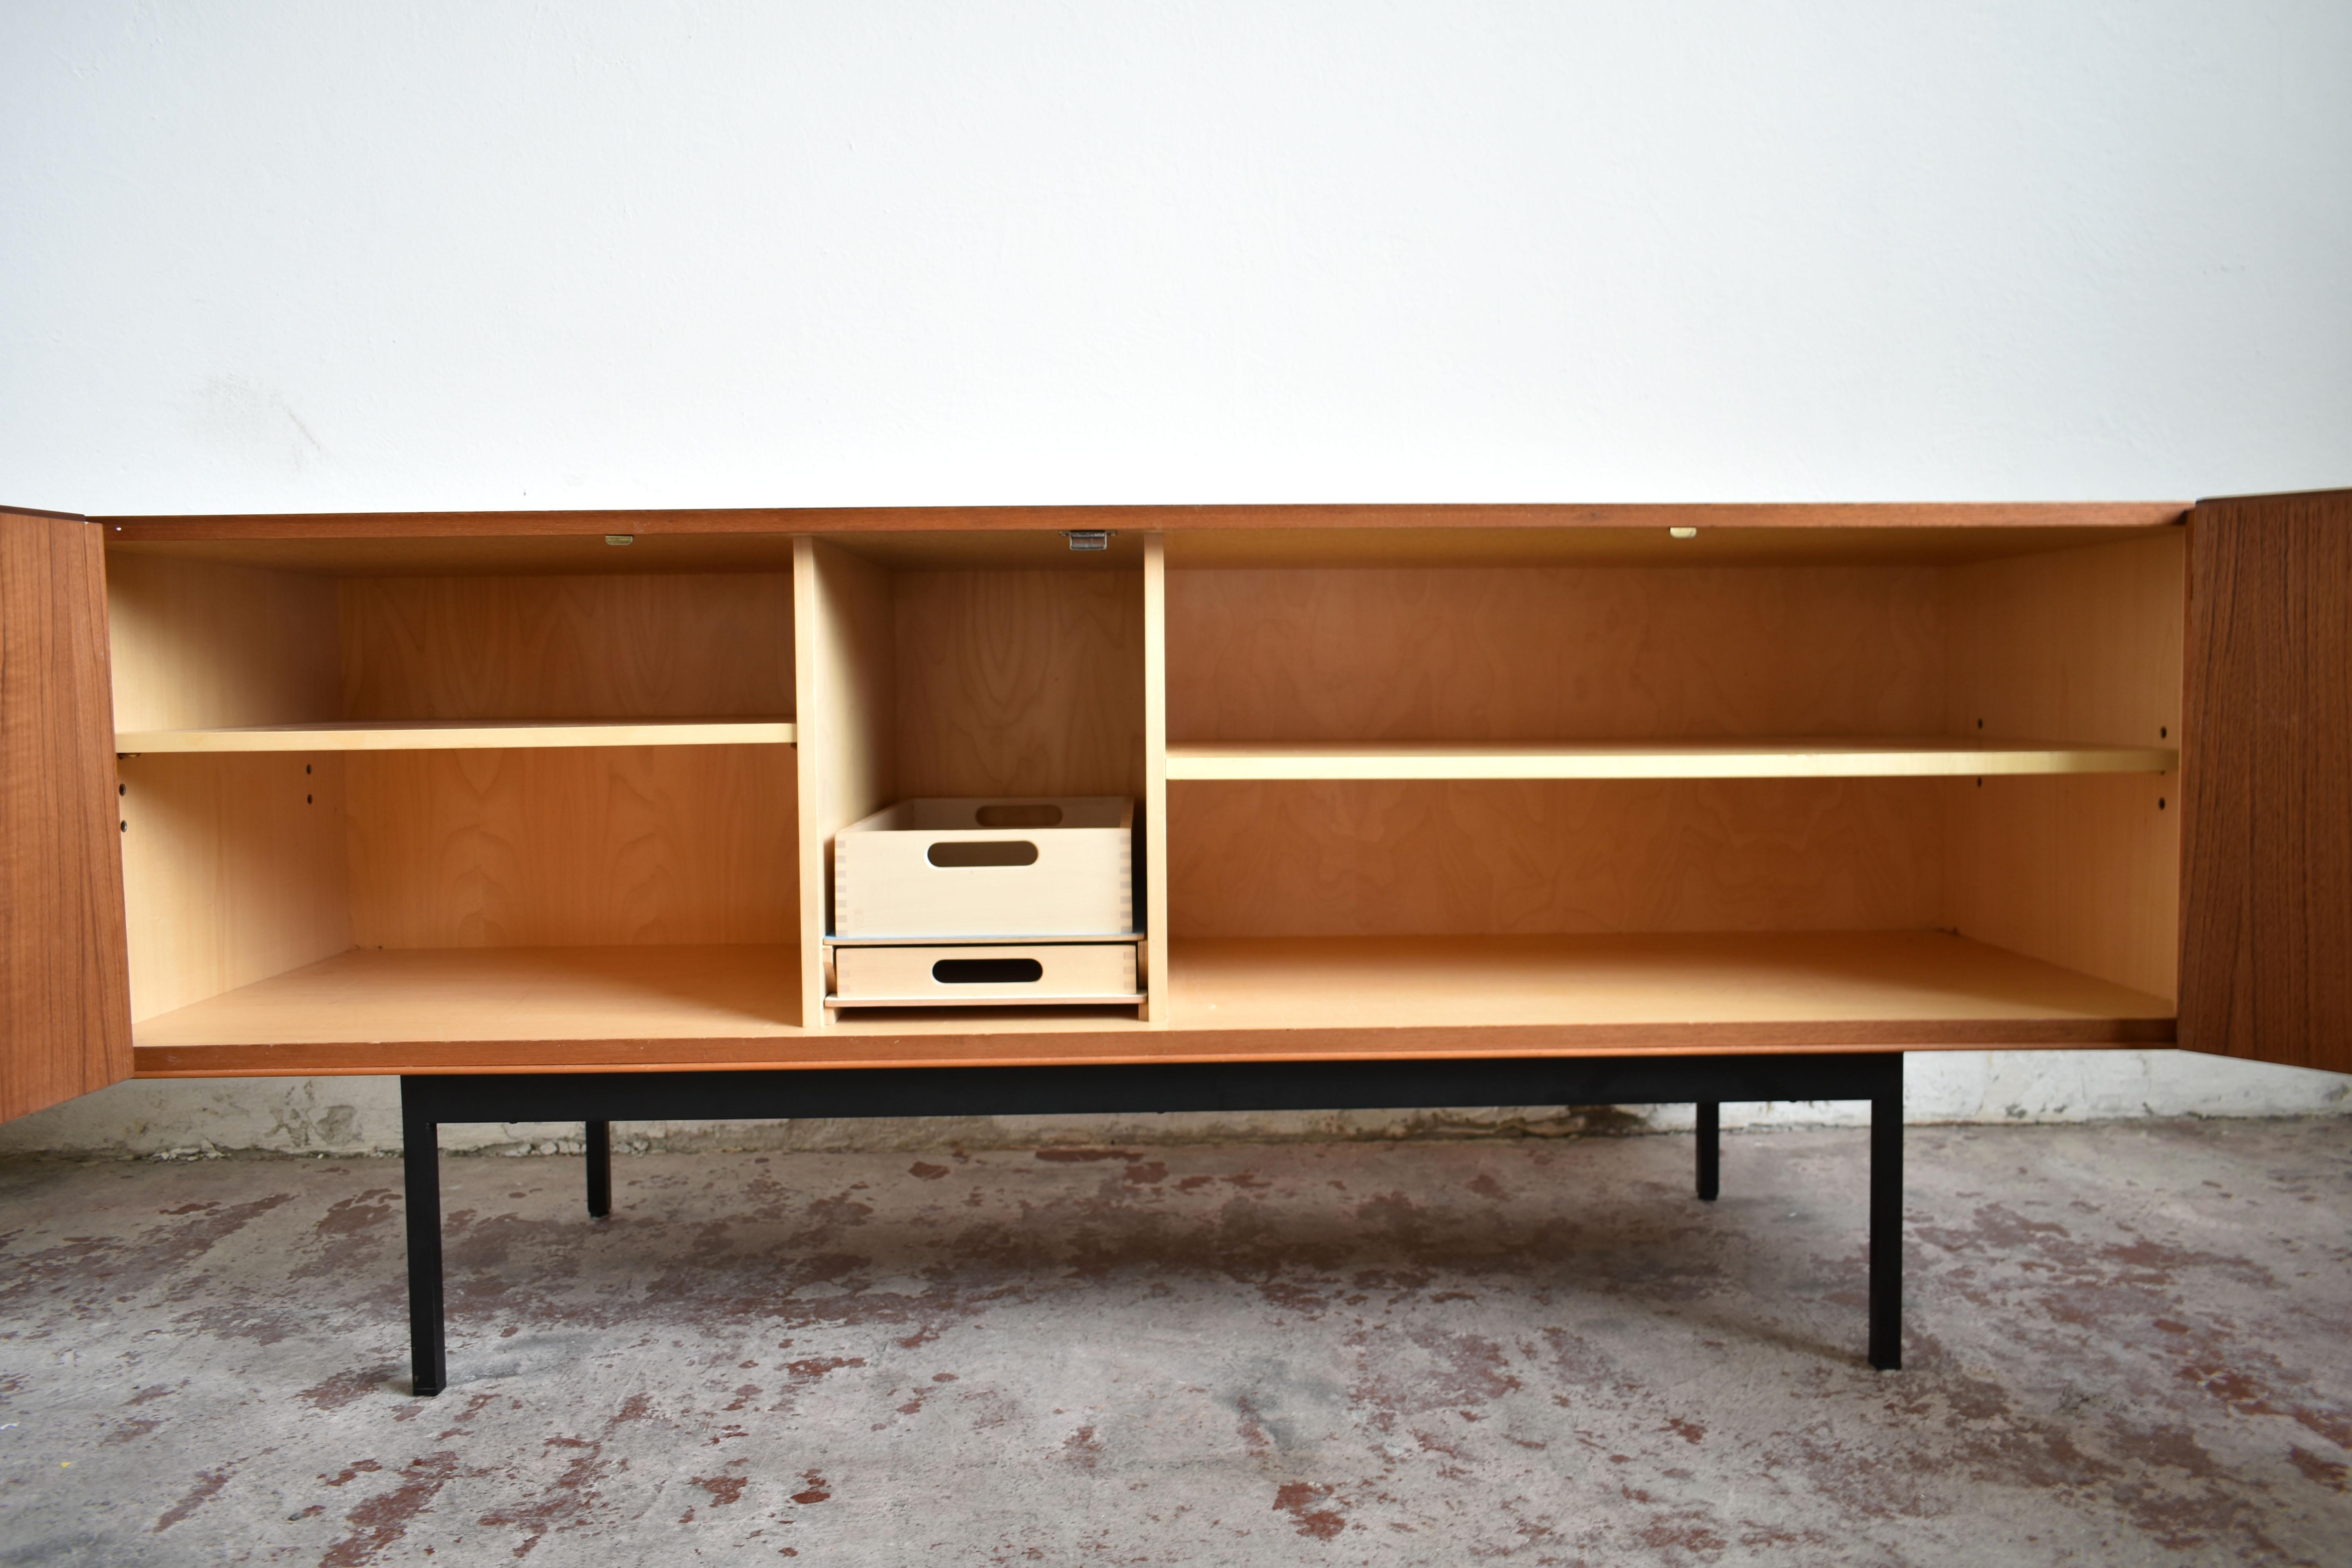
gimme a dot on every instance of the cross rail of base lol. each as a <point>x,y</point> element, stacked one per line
<point>598,1100</point>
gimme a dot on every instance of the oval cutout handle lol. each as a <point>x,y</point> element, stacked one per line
<point>1037,814</point>
<point>985,852</point>
<point>987,971</point>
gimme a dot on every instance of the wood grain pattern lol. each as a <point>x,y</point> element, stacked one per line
<point>1480,655</point>
<point>1918,757</point>
<point>1020,683</point>
<point>2084,644</point>
<point>651,646</point>
<point>846,666</point>
<point>2083,872</point>
<point>65,996</point>
<point>491,993</point>
<point>506,1009</point>
<point>1157,1006</point>
<point>198,645</point>
<point>235,869</point>
<point>525,848</point>
<point>2266,937</point>
<point>462,735</point>
<point>645,524</point>
<point>1401,859</point>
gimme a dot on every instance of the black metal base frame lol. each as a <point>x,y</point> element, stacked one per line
<point>601,1098</point>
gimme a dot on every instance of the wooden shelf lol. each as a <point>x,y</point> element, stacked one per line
<point>1932,757</point>
<point>524,1009</point>
<point>450,735</point>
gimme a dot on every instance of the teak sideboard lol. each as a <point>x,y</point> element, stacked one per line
<point>556,792</point>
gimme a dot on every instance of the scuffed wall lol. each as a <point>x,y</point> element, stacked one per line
<point>202,1117</point>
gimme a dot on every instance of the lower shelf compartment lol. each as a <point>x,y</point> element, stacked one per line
<point>532,1009</point>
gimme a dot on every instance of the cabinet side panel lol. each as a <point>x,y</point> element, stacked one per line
<point>200,645</point>
<point>2079,646</point>
<point>612,647</point>
<point>2266,866</point>
<point>65,993</point>
<point>233,868</point>
<point>2081,871</point>
<point>1020,683</point>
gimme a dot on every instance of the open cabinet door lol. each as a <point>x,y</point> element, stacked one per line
<point>2266,785</point>
<point>64,984</point>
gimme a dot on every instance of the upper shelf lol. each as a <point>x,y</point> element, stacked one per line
<point>1929,757</point>
<point>443,735</point>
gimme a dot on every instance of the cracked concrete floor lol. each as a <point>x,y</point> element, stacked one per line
<point>2127,1343</point>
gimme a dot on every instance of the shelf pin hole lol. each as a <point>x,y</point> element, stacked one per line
<point>2160,802</point>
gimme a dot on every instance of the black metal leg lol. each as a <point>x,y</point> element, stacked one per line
<point>1886,1225</point>
<point>429,1099</point>
<point>1710,1148</point>
<point>600,1169</point>
<point>420,1158</point>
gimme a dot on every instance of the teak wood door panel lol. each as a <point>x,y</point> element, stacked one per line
<point>65,987</point>
<point>2266,835</point>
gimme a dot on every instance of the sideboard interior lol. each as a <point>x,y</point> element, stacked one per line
<point>381,794</point>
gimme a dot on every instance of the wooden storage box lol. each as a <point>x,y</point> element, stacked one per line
<point>1031,868</point>
<point>989,974</point>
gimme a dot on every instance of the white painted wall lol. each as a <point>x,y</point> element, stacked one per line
<point>459,253</point>
<point>445,255</point>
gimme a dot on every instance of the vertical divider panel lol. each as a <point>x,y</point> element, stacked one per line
<point>845,687</point>
<point>1158,1004</point>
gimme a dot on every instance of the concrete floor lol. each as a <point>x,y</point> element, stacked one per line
<point>2127,1343</point>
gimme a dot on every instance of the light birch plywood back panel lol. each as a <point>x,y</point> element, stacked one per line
<point>592,847</point>
<point>1554,654</point>
<point>1406,858</point>
<point>2086,643</point>
<point>1026,683</point>
<point>655,646</point>
<point>198,645</point>
<point>233,869</point>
